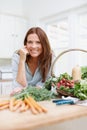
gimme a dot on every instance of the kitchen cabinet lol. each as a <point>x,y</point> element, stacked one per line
<point>6,73</point>
<point>12,33</point>
<point>5,87</point>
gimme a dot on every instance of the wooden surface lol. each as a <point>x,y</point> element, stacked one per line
<point>28,121</point>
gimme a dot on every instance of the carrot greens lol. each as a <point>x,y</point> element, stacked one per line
<point>36,93</point>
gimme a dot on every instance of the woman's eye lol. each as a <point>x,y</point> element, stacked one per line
<point>29,42</point>
<point>38,42</point>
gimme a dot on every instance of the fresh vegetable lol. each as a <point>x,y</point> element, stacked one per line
<point>50,82</point>
<point>34,111</point>
<point>4,106</point>
<point>84,75</point>
<point>18,105</point>
<point>37,94</point>
<point>11,104</point>
<point>53,81</point>
<point>27,99</point>
<point>84,72</point>
<point>83,69</point>
<point>5,102</point>
<point>65,82</point>
<point>22,105</point>
<point>80,89</point>
<point>65,76</point>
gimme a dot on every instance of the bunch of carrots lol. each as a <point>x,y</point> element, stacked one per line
<point>21,105</point>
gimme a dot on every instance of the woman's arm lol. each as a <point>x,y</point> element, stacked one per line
<point>21,74</point>
<point>18,67</point>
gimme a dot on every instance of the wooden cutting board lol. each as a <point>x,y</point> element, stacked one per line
<point>28,121</point>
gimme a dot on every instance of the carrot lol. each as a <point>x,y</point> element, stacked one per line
<point>16,101</point>
<point>19,103</point>
<point>22,108</point>
<point>26,107</point>
<point>39,107</point>
<point>43,109</point>
<point>4,102</point>
<point>11,104</point>
<point>4,106</point>
<point>31,106</point>
<point>34,103</point>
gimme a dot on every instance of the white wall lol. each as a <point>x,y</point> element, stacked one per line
<point>35,10</point>
<point>39,9</point>
<point>14,7</point>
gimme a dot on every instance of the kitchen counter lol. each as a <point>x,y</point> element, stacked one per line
<point>6,86</point>
<point>44,121</point>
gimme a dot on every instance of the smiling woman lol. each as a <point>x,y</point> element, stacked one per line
<point>32,64</point>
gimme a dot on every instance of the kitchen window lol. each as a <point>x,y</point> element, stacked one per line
<point>68,30</point>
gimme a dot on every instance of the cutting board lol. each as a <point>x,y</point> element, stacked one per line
<point>27,121</point>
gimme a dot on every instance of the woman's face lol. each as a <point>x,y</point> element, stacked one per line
<point>33,45</point>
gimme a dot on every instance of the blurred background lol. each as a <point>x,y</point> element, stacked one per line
<point>65,23</point>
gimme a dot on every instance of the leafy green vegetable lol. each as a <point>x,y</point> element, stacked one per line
<point>84,72</point>
<point>84,75</point>
<point>80,89</point>
<point>64,75</point>
<point>36,93</point>
<point>83,69</point>
<point>53,80</point>
<point>49,82</point>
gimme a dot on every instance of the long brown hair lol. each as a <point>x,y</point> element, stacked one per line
<point>46,55</point>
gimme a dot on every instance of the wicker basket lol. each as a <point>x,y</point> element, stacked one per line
<point>61,92</point>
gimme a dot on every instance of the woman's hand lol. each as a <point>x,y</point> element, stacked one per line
<point>23,53</point>
<point>15,91</point>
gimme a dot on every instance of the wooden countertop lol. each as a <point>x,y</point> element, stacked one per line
<point>28,121</point>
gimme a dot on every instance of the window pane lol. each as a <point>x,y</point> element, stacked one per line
<point>58,34</point>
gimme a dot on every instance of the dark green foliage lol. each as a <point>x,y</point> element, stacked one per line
<point>84,75</point>
<point>80,89</point>
<point>64,75</point>
<point>39,94</point>
<point>84,72</point>
<point>49,82</point>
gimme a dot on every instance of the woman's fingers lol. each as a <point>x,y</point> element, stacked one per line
<point>16,90</point>
<point>23,52</point>
<point>26,50</point>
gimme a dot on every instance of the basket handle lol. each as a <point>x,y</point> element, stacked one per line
<point>75,49</point>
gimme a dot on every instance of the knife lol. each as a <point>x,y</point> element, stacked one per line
<point>63,101</point>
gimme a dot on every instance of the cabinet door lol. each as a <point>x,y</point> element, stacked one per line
<point>6,88</point>
<point>12,32</point>
<point>20,31</point>
<point>6,31</point>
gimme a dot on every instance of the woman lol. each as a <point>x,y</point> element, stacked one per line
<point>31,65</point>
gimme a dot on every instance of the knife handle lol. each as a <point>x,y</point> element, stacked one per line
<point>64,102</point>
<point>58,100</point>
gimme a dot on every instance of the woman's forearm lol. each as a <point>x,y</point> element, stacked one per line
<point>21,76</point>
